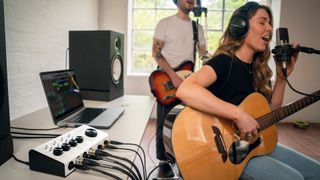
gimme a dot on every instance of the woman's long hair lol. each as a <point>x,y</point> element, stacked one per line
<point>261,71</point>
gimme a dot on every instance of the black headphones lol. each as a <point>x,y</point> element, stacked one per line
<point>239,22</point>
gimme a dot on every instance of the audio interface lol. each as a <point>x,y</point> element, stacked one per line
<point>58,155</point>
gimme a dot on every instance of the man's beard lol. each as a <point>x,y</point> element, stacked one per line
<point>185,10</point>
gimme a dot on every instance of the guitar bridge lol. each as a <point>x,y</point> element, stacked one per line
<point>220,143</point>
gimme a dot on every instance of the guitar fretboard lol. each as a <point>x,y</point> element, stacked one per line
<point>285,111</point>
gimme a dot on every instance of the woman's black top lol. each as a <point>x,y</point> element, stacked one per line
<point>234,78</point>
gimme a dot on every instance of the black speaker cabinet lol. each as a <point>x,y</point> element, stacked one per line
<point>6,144</point>
<point>97,59</point>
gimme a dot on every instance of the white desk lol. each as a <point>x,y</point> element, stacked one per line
<point>129,128</point>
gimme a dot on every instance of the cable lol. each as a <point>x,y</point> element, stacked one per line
<point>67,50</point>
<point>105,173</point>
<point>31,137</point>
<point>119,169</point>
<point>149,143</point>
<point>82,167</point>
<point>54,135</point>
<point>166,162</point>
<point>32,129</point>
<point>20,161</point>
<point>114,147</point>
<point>132,144</point>
<point>104,153</point>
<point>284,72</point>
<point>123,165</point>
<point>90,162</point>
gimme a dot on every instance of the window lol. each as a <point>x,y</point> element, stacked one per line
<point>145,14</point>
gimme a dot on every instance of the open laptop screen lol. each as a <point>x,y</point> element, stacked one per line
<point>62,93</point>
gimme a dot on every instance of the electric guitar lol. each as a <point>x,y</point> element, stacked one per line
<point>209,147</point>
<point>161,85</point>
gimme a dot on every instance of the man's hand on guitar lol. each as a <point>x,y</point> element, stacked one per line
<point>176,81</point>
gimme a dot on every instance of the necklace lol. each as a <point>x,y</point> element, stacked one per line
<point>246,67</point>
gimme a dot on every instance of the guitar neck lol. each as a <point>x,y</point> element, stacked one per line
<point>285,111</point>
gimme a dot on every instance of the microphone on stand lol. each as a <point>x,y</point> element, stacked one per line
<point>283,50</point>
<point>197,10</point>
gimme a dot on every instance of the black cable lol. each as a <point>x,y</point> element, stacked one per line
<point>104,153</point>
<point>114,147</point>
<point>105,173</point>
<point>55,135</point>
<point>90,162</point>
<point>123,165</point>
<point>148,148</point>
<point>166,162</point>
<point>31,137</point>
<point>67,50</point>
<point>119,169</point>
<point>132,144</point>
<point>284,72</point>
<point>81,167</point>
<point>20,161</point>
<point>33,129</point>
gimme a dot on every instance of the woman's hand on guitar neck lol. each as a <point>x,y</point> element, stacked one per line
<point>246,124</point>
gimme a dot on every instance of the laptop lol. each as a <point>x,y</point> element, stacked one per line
<point>66,104</point>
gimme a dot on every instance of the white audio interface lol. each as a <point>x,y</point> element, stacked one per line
<point>58,155</point>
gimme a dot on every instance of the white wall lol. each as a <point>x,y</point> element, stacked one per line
<point>114,16</point>
<point>302,20</point>
<point>36,40</point>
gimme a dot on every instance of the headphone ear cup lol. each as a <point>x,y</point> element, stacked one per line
<point>239,26</point>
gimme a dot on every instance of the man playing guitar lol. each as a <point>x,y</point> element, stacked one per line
<point>173,43</point>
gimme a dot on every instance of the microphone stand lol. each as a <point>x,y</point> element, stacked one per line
<point>197,11</point>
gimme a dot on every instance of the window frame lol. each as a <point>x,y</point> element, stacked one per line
<point>274,5</point>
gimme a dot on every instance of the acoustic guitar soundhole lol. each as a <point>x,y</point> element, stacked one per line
<point>240,149</point>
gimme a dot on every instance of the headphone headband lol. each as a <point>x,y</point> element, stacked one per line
<point>239,22</point>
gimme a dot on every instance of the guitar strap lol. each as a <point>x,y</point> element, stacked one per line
<point>195,38</point>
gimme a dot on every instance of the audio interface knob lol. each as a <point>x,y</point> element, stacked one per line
<point>73,143</point>
<point>65,146</point>
<point>57,151</point>
<point>91,132</point>
<point>79,139</point>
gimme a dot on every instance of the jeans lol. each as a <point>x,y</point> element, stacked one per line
<point>282,164</point>
<point>162,112</point>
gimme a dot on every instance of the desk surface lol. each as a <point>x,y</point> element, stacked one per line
<point>129,128</point>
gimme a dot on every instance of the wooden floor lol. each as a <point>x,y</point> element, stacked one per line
<point>303,140</point>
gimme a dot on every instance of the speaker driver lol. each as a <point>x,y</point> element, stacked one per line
<point>116,69</point>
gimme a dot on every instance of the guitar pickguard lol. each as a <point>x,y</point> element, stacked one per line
<point>240,149</point>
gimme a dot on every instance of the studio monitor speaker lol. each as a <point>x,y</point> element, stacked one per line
<point>6,144</point>
<point>97,59</point>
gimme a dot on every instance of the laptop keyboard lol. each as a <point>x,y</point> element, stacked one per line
<point>87,115</point>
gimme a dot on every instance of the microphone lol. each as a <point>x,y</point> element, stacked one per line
<point>197,10</point>
<point>283,50</point>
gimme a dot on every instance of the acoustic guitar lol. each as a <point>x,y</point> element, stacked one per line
<point>161,85</point>
<point>209,147</point>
